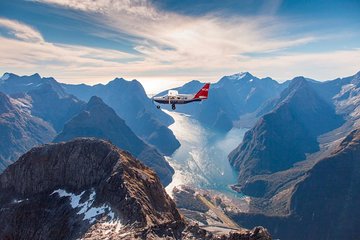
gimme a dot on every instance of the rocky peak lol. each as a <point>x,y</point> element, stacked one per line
<point>133,190</point>
<point>94,100</point>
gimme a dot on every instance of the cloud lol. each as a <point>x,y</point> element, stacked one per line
<point>21,31</point>
<point>170,47</point>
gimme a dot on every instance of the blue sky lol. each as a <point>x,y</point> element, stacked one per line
<point>165,43</point>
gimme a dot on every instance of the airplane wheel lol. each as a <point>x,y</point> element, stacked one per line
<point>158,107</point>
<point>173,107</point>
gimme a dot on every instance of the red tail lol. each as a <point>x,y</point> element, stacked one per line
<point>204,92</point>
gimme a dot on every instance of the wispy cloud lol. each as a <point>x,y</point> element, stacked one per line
<point>171,46</point>
<point>21,31</point>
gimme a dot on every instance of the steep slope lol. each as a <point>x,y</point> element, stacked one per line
<point>321,204</point>
<point>100,121</point>
<point>19,130</point>
<point>283,137</point>
<point>130,102</point>
<point>53,107</point>
<point>43,196</point>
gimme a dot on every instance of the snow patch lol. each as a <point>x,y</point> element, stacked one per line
<point>89,211</point>
<point>237,76</point>
<point>19,200</point>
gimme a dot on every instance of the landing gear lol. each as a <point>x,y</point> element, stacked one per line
<point>173,107</point>
<point>158,106</point>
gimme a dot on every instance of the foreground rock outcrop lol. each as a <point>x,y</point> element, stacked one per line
<point>90,189</point>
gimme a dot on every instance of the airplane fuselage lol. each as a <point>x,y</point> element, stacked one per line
<point>178,99</point>
<point>173,97</point>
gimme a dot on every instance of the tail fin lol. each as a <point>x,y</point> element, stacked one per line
<point>204,92</point>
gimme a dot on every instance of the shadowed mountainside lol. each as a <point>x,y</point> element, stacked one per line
<point>100,121</point>
<point>129,100</point>
<point>19,130</point>
<point>283,136</point>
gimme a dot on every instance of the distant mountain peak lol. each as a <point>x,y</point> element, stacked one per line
<point>7,75</point>
<point>241,75</point>
<point>95,100</point>
<point>36,75</point>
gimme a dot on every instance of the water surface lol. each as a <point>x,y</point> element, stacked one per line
<point>201,161</point>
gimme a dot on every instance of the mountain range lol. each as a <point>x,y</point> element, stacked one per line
<point>129,100</point>
<point>299,162</point>
<point>231,98</point>
<point>40,108</point>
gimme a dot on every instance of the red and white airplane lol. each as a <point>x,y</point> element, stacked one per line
<point>173,97</point>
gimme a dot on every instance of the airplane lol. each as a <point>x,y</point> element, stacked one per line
<point>173,97</point>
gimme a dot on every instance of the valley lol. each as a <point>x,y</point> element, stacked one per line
<point>201,160</point>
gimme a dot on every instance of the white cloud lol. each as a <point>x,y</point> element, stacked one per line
<point>21,31</point>
<point>171,47</point>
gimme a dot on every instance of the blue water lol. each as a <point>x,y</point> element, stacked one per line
<point>202,161</point>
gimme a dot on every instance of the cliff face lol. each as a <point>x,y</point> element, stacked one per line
<point>19,130</point>
<point>90,189</point>
<point>321,204</point>
<point>283,137</point>
<point>100,121</point>
<point>329,195</point>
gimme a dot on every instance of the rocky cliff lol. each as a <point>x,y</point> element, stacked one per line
<point>90,189</point>
<point>313,202</point>
<point>100,121</point>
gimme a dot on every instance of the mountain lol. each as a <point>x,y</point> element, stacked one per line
<point>19,130</point>
<point>100,121</point>
<point>49,101</point>
<point>54,108</point>
<point>320,203</point>
<point>130,102</point>
<point>230,98</point>
<point>11,83</point>
<point>90,189</point>
<point>292,188</point>
<point>285,135</point>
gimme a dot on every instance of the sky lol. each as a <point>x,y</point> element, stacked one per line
<point>166,43</point>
